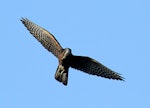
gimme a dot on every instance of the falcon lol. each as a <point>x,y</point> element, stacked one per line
<point>65,57</point>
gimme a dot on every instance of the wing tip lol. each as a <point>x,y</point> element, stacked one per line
<point>23,20</point>
<point>119,77</point>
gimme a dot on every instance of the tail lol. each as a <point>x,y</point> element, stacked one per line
<point>61,74</point>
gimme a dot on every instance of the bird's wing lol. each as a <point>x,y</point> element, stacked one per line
<point>44,37</point>
<point>93,67</point>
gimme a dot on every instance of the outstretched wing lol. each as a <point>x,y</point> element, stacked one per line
<point>93,67</point>
<point>44,37</point>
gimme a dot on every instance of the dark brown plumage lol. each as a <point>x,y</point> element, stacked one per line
<point>65,57</point>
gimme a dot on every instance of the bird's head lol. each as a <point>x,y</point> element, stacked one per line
<point>67,53</point>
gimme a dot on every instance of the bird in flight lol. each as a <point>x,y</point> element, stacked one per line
<point>66,58</point>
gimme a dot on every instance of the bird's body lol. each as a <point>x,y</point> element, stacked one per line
<point>64,64</point>
<point>66,58</point>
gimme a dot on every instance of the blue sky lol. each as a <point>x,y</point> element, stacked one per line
<point>116,33</point>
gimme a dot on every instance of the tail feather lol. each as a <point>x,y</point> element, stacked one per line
<point>61,74</point>
<point>64,78</point>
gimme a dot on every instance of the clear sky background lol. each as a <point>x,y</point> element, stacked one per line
<point>114,32</point>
